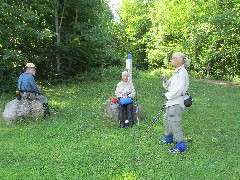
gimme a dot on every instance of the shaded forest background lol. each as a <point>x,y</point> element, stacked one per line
<point>66,38</point>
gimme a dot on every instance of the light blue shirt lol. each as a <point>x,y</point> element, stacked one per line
<point>26,82</point>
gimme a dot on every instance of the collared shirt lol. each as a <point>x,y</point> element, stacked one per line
<point>26,82</point>
<point>177,86</point>
<point>125,88</point>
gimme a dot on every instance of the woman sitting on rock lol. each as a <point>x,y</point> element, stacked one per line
<point>125,92</point>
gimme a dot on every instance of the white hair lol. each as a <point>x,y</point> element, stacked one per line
<point>182,58</point>
<point>125,73</point>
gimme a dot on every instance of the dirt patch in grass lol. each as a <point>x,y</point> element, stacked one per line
<point>220,82</point>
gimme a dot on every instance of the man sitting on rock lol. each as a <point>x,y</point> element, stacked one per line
<point>29,89</point>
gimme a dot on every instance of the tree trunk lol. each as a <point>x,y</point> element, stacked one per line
<point>58,39</point>
<point>223,67</point>
<point>76,19</point>
<point>195,49</point>
<point>74,32</point>
<point>58,28</point>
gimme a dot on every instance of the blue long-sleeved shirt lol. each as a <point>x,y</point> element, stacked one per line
<point>26,82</point>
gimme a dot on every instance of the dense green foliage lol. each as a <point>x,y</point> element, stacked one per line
<point>61,37</point>
<point>208,32</point>
<point>68,37</point>
<point>77,38</point>
<point>78,142</point>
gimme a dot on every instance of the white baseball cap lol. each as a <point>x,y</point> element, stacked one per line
<point>30,65</point>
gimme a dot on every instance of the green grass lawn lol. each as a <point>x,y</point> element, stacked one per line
<point>78,142</point>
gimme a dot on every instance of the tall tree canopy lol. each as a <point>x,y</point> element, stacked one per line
<point>67,37</point>
<point>208,32</point>
<point>62,37</point>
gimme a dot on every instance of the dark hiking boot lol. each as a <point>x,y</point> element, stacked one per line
<point>121,124</point>
<point>130,125</point>
<point>46,110</point>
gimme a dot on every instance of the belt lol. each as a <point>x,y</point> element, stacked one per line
<point>23,91</point>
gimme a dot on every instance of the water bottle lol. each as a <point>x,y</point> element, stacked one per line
<point>18,95</point>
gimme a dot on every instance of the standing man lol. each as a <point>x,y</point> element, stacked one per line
<point>28,88</point>
<point>176,87</point>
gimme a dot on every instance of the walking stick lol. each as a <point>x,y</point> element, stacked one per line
<point>153,122</point>
<point>144,135</point>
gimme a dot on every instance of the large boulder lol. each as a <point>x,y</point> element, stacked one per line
<point>16,109</point>
<point>111,110</point>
